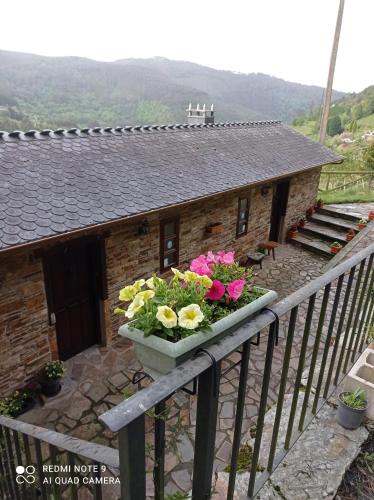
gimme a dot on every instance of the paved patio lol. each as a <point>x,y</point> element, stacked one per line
<point>100,378</point>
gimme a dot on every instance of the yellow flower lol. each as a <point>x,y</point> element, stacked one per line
<point>166,316</point>
<point>127,293</point>
<point>177,273</point>
<point>118,310</point>
<point>190,316</point>
<point>151,282</point>
<point>206,281</point>
<point>135,306</point>
<point>139,284</point>
<point>191,277</point>
<point>146,295</point>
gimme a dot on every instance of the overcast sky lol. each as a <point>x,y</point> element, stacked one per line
<point>290,39</point>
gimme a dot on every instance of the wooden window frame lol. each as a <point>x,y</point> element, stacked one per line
<point>163,253</point>
<point>238,221</point>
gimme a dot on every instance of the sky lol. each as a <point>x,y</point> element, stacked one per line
<point>290,39</point>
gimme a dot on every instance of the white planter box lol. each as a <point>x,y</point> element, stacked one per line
<point>159,356</point>
<point>362,376</point>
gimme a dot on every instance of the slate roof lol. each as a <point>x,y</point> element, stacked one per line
<point>52,182</point>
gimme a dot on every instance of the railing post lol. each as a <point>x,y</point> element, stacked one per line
<point>131,440</point>
<point>206,422</point>
<point>159,466</point>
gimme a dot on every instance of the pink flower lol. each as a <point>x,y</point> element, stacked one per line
<point>200,266</point>
<point>225,258</point>
<point>211,258</point>
<point>235,289</point>
<point>216,291</point>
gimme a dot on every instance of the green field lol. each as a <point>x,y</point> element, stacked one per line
<point>350,195</point>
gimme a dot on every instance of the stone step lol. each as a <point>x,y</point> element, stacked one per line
<point>322,232</point>
<point>313,245</point>
<point>333,221</point>
<point>333,212</point>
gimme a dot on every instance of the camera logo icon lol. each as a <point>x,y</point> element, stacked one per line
<point>25,474</point>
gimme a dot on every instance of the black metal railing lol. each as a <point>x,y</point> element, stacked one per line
<point>326,340</point>
<point>31,458</point>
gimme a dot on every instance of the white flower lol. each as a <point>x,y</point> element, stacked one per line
<point>190,316</point>
<point>135,306</point>
<point>139,284</point>
<point>166,316</point>
<point>127,293</point>
<point>151,282</point>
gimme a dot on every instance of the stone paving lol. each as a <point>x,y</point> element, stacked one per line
<point>100,378</point>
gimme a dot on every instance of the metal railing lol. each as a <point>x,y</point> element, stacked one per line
<point>341,180</point>
<point>339,309</point>
<point>325,325</point>
<point>28,455</point>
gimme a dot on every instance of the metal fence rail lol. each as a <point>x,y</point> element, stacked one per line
<point>34,448</point>
<point>337,327</point>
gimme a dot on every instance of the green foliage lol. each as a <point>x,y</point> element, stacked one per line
<point>355,399</point>
<point>370,334</point>
<point>334,126</point>
<point>369,157</point>
<point>177,496</point>
<point>53,370</point>
<point>350,195</point>
<point>245,456</point>
<point>53,92</point>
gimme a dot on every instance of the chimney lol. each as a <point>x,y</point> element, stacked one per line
<point>199,115</point>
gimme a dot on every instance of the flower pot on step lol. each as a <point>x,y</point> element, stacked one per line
<point>159,356</point>
<point>347,417</point>
<point>28,405</point>
<point>371,215</point>
<point>50,387</point>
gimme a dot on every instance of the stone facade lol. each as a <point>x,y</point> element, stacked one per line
<point>26,338</point>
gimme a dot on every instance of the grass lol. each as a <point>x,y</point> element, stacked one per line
<point>366,122</point>
<point>350,195</point>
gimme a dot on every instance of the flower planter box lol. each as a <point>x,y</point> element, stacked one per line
<point>159,356</point>
<point>28,405</point>
<point>216,228</point>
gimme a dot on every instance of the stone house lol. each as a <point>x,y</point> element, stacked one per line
<point>84,212</point>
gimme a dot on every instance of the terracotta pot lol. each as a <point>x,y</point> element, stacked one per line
<point>371,215</point>
<point>292,234</point>
<point>349,236</point>
<point>215,228</point>
<point>361,226</point>
<point>335,250</point>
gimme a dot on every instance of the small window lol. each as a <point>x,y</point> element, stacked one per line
<point>242,222</point>
<point>169,243</point>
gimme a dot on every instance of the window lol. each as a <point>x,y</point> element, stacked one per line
<point>242,223</point>
<point>169,243</point>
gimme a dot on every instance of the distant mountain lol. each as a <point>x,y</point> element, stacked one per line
<point>38,91</point>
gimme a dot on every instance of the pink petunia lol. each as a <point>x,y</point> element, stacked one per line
<point>235,289</point>
<point>216,291</point>
<point>228,258</point>
<point>200,266</point>
<point>211,258</point>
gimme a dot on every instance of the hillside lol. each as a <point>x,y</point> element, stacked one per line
<point>38,91</point>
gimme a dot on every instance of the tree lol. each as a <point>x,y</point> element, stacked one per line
<point>334,126</point>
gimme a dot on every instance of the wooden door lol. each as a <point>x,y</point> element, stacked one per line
<point>279,209</point>
<point>73,296</point>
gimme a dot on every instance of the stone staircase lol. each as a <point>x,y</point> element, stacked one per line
<point>323,228</point>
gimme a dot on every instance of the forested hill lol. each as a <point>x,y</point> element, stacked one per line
<point>38,92</point>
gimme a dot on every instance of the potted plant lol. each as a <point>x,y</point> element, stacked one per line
<point>350,234</point>
<point>170,320</point>
<point>310,211</point>
<point>371,215</point>
<point>362,223</point>
<point>215,228</point>
<point>51,375</point>
<point>292,233</point>
<point>335,247</point>
<point>302,222</point>
<point>21,401</point>
<point>351,409</point>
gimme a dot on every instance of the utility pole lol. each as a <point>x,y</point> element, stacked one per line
<point>330,79</point>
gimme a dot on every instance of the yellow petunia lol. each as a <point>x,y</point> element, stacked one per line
<point>206,281</point>
<point>151,282</point>
<point>190,317</point>
<point>127,293</point>
<point>191,277</point>
<point>135,306</point>
<point>167,316</point>
<point>139,284</point>
<point>118,310</point>
<point>177,273</point>
<point>146,295</point>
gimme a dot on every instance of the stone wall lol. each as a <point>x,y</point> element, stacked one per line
<point>26,339</point>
